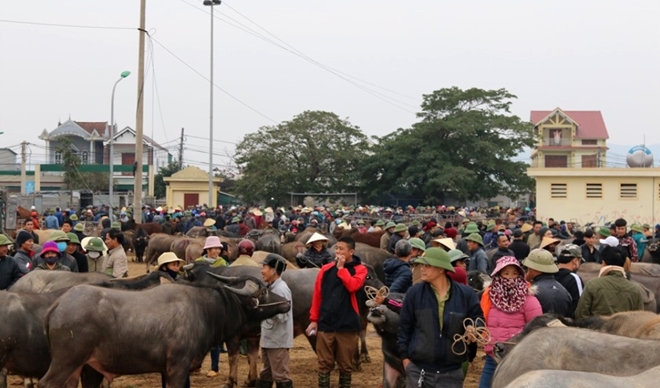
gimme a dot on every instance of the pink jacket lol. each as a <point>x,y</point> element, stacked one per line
<point>503,325</point>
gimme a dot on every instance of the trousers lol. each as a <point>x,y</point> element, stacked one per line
<point>334,347</point>
<point>416,377</point>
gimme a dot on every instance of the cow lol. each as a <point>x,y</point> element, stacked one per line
<point>570,379</point>
<point>172,340</point>
<point>372,238</point>
<point>566,348</point>
<point>386,323</point>
<point>269,243</point>
<point>198,231</point>
<point>150,227</point>
<point>159,243</point>
<point>47,281</point>
<point>140,242</point>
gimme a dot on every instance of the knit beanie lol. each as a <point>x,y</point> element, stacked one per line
<point>22,237</point>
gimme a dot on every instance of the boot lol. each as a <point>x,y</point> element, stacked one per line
<point>324,380</point>
<point>344,380</point>
<point>263,384</point>
<point>284,384</point>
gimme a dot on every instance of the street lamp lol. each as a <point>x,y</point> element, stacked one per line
<point>211,3</point>
<point>123,75</point>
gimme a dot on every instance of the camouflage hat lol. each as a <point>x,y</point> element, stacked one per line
<point>4,240</point>
<point>116,225</point>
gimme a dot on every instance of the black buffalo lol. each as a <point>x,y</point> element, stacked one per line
<point>140,242</point>
<point>386,323</point>
<point>167,329</point>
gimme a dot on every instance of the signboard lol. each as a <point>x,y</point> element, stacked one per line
<point>29,187</point>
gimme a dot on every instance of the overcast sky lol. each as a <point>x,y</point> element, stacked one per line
<point>593,55</point>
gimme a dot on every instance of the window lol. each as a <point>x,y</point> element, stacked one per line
<point>628,190</point>
<point>590,142</point>
<point>558,190</point>
<point>594,190</point>
<point>85,157</point>
<point>58,158</point>
<point>556,161</point>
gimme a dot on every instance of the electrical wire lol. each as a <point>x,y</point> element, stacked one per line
<point>67,25</point>
<point>215,140</point>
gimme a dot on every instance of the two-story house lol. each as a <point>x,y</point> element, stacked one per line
<point>569,139</point>
<point>87,139</point>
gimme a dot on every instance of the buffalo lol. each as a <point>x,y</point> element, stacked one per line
<point>140,242</point>
<point>386,323</point>
<point>150,227</point>
<point>47,281</point>
<point>172,340</point>
<point>571,379</point>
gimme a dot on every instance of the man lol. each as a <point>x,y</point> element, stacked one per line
<point>95,249</point>
<point>490,236</point>
<point>245,251</point>
<point>626,241</point>
<point>418,249</point>
<point>335,315</point>
<point>502,250</point>
<point>647,231</point>
<point>518,246</point>
<point>385,238</point>
<point>478,258</point>
<point>51,221</point>
<point>640,239</point>
<point>611,292</point>
<point>534,239</point>
<point>24,253</point>
<point>590,253</point>
<point>657,230</point>
<point>59,215</point>
<point>79,230</point>
<point>242,228</point>
<point>28,226</point>
<point>462,244</point>
<point>317,254</point>
<point>72,249</point>
<point>399,233</point>
<point>66,226</point>
<point>457,260</point>
<point>569,261</point>
<point>116,264</point>
<point>398,276</point>
<point>429,322</point>
<point>9,271</point>
<point>276,332</point>
<point>61,240</point>
<point>540,273</point>
<point>50,256</point>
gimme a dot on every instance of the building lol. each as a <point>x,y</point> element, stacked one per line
<point>598,195</point>
<point>87,140</point>
<point>569,139</point>
<point>190,187</point>
<point>8,159</point>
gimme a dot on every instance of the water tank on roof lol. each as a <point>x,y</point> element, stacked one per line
<point>639,156</point>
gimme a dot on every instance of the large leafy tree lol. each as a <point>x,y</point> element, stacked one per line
<point>462,146</point>
<point>160,188</point>
<point>316,151</point>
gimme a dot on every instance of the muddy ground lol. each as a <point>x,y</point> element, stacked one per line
<point>302,365</point>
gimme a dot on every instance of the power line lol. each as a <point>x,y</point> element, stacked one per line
<point>215,140</point>
<point>66,25</point>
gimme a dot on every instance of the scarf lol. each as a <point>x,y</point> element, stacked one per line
<point>508,295</point>
<point>606,269</point>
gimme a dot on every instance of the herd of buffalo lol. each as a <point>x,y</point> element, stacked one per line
<point>63,328</point>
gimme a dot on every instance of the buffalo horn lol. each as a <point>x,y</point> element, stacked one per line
<point>188,267</point>
<point>250,288</point>
<point>226,279</point>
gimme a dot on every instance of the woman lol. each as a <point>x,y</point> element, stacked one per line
<point>213,247</point>
<point>51,256</point>
<point>508,305</point>
<point>317,254</point>
<point>425,338</point>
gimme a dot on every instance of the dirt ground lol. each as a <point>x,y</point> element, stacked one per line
<point>302,365</point>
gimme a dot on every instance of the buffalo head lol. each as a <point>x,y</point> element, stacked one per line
<point>253,294</point>
<point>478,280</point>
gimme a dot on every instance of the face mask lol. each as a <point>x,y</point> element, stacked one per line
<point>51,260</point>
<point>94,255</point>
<point>61,246</point>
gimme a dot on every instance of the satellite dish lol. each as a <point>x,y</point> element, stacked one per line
<point>639,156</point>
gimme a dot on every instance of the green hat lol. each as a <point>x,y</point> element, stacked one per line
<point>400,228</point>
<point>471,228</point>
<point>58,236</point>
<point>416,222</point>
<point>490,226</point>
<point>475,237</point>
<point>436,257</point>
<point>646,226</point>
<point>116,225</point>
<point>465,220</point>
<point>456,254</point>
<point>604,232</point>
<point>51,211</point>
<point>73,217</point>
<point>236,219</point>
<point>417,243</point>
<point>79,227</point>
<point>73,238</point>
<point>541,260</point>
<point>390,224</point>
<point>637,228</point>
<point>4,240</point>
<point>94,244</point>
<point>380,223</point>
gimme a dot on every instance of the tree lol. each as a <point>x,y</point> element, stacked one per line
<point>160,188</point>
<point>461,147</point>
<point>73,178</point>
<point>316,151</point>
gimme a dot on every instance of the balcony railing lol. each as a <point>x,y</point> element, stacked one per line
<point>554,143</point>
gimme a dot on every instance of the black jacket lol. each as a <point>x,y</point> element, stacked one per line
<point>393,240</point>
<point>499,253</point>
<point>591,257</point>
<point>552,296</point>
<point>398,275</point>
<point>66,259</point>
<point>81,261</point>
<point>573,284</point>
<point>314,259</point>
<point>9,272</point>
<point>520,249</point>
<point>420,337</point>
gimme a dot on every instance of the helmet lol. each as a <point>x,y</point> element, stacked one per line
<point>246,247</point>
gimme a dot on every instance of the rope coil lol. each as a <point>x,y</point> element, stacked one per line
<point>373,292</point>
<point>481,332</point>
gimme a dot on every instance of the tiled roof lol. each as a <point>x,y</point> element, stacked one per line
<point>89,126</point>
<point>590,122</point>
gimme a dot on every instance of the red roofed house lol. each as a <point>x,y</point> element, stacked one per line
<point>569,139</point>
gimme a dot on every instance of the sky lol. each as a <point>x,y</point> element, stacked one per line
<point>280,58</point>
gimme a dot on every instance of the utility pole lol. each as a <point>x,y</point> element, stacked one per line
<point>139,123</point>
<point>23,172</point>
<point>181,151</point>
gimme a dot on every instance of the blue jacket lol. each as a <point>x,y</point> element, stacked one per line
<point>420,338</point>
<point>52,222</point>
<point>398,276</point>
